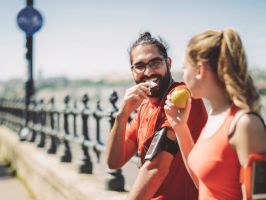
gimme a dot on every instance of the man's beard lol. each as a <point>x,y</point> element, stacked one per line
<point>160,89</point>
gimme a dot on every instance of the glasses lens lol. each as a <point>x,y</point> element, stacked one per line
<point>139,67</point>
<point>155,63</point>
<point>152,64</point>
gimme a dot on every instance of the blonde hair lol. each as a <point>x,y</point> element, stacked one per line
<point>225,54</point>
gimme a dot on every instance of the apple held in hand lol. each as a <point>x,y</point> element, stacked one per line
<point>179,97</point>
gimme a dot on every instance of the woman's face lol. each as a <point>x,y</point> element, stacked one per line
<point>191,70</point>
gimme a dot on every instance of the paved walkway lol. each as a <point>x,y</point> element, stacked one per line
<point>10,187</point>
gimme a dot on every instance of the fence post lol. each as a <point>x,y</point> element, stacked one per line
<point>54,140</point>
<point>114,180</point>
<point>74,115</point>
<point>98,115</point>
<point>67,157</point>
<point>34,120</point>
<point>42,123</point>
<point>86,166</point>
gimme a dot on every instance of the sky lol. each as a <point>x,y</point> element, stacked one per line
<point>90,39</point>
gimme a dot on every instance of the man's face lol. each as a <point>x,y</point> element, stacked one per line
<point>149,65</point>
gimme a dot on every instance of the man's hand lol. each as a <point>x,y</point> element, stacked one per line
<point>134,97</point>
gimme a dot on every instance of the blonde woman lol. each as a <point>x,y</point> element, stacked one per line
<point>216,70</point>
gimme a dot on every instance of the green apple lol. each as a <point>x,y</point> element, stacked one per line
<point>179,97</point>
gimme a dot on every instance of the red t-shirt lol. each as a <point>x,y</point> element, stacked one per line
<point>216,165</point>
<point>178,184</point>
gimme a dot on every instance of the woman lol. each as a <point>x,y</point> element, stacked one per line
<point>216,70</point>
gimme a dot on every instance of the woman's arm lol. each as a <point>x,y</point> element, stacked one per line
<point>249,137</point>
<point>178,119</point>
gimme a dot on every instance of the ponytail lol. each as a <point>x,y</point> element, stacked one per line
<point>232,70</point>
<point>225,54</point>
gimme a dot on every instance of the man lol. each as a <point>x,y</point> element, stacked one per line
<point>163,176</point>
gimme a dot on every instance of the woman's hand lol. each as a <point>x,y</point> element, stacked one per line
<point>177,117</point>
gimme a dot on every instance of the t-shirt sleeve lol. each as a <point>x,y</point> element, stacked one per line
<point>132,127</point>
<point>165,123</point>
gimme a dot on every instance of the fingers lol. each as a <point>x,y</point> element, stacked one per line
<point>168,103</point>
<point>142,90</point>
<point>136,94</point>
<point>177,113</point>
<point>145,86</point>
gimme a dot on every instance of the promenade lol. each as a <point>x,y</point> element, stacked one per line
<point>46,177</point>
<point>10,186</point>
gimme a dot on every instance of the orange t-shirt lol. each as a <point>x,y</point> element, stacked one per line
<point>215,163</point>
<point>178,184</point>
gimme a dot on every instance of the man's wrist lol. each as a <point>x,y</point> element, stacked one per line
<point>122,116</point>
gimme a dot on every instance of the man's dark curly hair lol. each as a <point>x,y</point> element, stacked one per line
<point>146,38</point>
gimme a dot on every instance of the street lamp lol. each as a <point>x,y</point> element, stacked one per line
<point>29,21</point>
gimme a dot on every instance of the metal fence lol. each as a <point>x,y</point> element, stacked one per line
<point>50,127</point>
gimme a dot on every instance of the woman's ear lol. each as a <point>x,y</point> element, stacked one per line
<point>201,70</point>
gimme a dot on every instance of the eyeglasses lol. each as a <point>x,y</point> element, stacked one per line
<point>153,64</point>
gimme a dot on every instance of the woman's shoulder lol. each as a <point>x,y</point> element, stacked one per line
<point>249,128</point>
<point>248,119</point>
<point>249,135</point>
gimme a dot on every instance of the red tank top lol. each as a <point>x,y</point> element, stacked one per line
<point>215,163</point>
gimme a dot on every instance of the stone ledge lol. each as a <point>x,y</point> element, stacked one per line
<point>48,178</point>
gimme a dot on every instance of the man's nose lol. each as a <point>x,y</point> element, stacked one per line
<point>148,70</point>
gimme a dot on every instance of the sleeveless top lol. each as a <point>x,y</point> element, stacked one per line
<point>215,163</point>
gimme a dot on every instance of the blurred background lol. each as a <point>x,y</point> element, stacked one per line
<point>82,48</point>
<point>84,42</point>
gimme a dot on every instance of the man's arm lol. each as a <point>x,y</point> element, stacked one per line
<point>119,149</point>
<point>152,174</point>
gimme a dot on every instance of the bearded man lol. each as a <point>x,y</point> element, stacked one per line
<point>162,174</point>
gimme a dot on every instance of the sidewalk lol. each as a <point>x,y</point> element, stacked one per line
<point>46,176</point>
<point>10,187</point>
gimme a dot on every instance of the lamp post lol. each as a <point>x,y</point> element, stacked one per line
<point>30,21</point>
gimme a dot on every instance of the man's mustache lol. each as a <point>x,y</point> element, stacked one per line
<point>145,78</point>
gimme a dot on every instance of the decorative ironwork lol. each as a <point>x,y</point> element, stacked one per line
<point>44,129</point>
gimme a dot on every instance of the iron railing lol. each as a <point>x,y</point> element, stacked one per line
<point>50,127</point>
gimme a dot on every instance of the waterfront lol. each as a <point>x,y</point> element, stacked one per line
<point>130,170</point>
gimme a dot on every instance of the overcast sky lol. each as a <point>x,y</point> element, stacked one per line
<point>86,39</point>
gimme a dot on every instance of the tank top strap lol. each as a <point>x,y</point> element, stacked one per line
<point>238,116</point>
